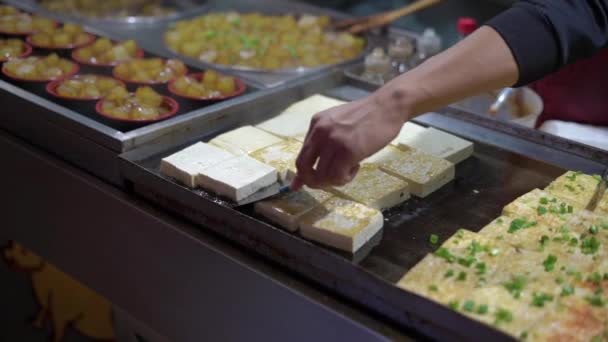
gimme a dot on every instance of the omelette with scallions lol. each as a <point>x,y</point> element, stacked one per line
<point>539,272</point>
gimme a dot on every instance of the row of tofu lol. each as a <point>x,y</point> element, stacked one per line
<point>241,162</point>
<point>539,272</point>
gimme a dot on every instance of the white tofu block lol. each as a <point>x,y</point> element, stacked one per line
<point>186,164</point>
<point>375,188</point>
<point>244,140</point>
<point>282,157</point>
<point>285,210</point>
<point>315,103</point>
<point>237,178</point>
<point>295,120</point>
<point>424,173</point>
<point>342,224</point>
<point>440,144</point>
<point>409,132</point>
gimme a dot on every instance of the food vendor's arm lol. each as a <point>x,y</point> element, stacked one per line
<point>526,42</point>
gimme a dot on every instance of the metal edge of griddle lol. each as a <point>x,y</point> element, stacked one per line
<point>318,264</point>
<point>533,135</point>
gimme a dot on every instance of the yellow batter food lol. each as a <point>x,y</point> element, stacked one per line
<point>150,70</point>
<point>144,104</point>
<point>210,84</point>
<point>37,68</point>
<point>88,86</point>
<point>262,41</point>
<point>70,35</point>
<point>104,52</point>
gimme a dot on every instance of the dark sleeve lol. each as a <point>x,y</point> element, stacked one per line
<point>545,35</point>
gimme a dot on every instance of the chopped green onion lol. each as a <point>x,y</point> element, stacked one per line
<point>467,262</point>
<point>539,300</point>
<point>453,305</point>
<point>481,268</point>
<point>569,187</point>
<point>544,201</point>
<point>448,274</point>
<point>541,210</point>
<point>434,239</point>
<point>519,224</point>
<point>567,290</point>
<point>475,248</point>
<point>559,280</point>
<point>445,254</point>
<point>570,209</point>
<point>503,316</point>
<point>462,276</point>
<point>590,245</point>
<point>573,242</point>
<point>573,175</point>
<point>549,263</point>
<point>516,285</point>
<point>433,288</point>
<point>468,306</point>
<point>595,278</point>
<point>544,240</point>
<point>500,221</point>
<point>604,225</point>
<point>482,309</point>
<point>593,229</point>
<point>595,300</point>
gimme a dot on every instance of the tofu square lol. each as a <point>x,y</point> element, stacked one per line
<point>424,173</point>
<point>282,157</point>
<point>454,269</point>
<point>237,178</point>
<point>285,210</point>
<point>315,103</point>
<point>244,140</point>
<point>342,224</point>
<point>186,164</point>
<point>440,144</point>
<point>542,207</point>
<point>375,188</point>
<point>295,120</point>
<point>409,133</point>
<point>575,187</point>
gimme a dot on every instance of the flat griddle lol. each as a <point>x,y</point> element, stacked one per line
<point>503,167</point>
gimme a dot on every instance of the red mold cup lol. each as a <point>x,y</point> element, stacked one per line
<point>90,39</point>
<point>24,33</point>
<point>139,54</point>
<point>240,89</point>
<point>51,88</point>
<point>168,101</point>
<point>153,83</point>
<point>74,71</point>
<point>28,51</point>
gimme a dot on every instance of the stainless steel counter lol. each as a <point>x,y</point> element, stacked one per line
<point>178,283</point>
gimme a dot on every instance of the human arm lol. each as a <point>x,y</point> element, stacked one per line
<point>526,42</point>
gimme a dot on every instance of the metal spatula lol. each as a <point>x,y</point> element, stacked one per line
<point>599,192</point>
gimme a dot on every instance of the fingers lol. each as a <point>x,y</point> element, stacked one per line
<point>306,162</point>
<point>343,169</point>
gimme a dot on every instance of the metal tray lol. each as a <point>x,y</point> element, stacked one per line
<point>77,134</point>
<point>179,7</point>
<point>150,34</point>
<point>503,167</point>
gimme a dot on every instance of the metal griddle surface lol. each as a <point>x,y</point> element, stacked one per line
<point>484,184</point>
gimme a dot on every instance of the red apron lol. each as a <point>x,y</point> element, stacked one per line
<point>577,93</point>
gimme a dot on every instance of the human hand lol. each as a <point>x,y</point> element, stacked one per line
<point>341,137</point>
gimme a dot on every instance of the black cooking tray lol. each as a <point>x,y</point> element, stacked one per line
<point>484,184</point>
